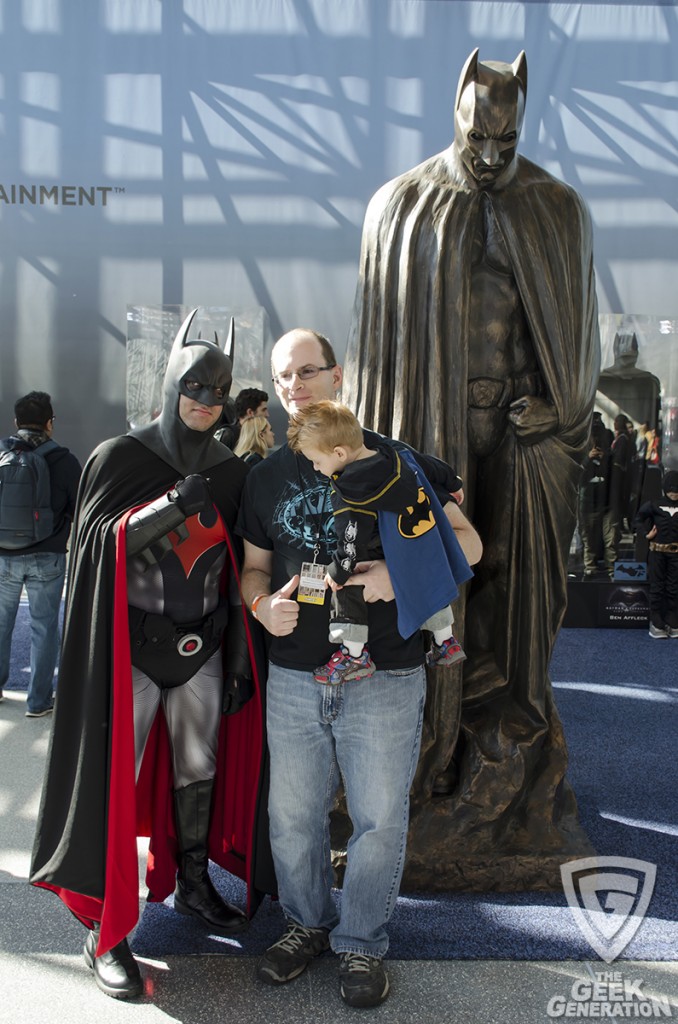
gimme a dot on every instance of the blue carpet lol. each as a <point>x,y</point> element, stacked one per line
<point>617,694</point>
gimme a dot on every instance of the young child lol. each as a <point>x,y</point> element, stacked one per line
<point>384,506</point>
<point>659,521</point>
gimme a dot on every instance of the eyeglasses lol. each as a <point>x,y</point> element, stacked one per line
<point>303,373</point>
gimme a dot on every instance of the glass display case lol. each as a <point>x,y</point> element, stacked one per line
<point>634,440</point>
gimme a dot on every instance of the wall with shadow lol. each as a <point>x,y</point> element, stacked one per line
<point>209,154</point>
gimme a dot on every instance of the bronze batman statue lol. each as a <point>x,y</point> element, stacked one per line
<point>475,337</point>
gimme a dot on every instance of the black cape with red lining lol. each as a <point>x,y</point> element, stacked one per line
<point>91,811</point>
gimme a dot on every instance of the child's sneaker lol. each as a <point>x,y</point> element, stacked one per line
<point>342,667</point>
<point>449,652</point>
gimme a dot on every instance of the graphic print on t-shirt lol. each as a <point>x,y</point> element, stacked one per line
<point>299,515</point>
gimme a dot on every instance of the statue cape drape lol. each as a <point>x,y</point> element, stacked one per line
<point>406,376</point>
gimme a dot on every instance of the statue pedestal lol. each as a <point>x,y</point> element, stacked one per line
<point>451,847</point>
<point>520,873</point>
<point>437,863</point>
<point>494,832</point>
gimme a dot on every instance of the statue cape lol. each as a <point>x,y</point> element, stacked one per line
<point>407,360</point>
<point>406,375</point>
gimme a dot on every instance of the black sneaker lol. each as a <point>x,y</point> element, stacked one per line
<point>364,982</point>
<point>287,958</point>
<point>658,632</point>
<point>41,713</point>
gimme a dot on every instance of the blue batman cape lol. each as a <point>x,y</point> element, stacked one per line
<point>426,568</point>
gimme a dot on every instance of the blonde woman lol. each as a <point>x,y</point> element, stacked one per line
<point>255,441</point>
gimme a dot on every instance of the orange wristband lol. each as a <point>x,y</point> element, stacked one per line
<point>254,604</point>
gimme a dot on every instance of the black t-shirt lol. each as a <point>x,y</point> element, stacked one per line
<point>286,504</point>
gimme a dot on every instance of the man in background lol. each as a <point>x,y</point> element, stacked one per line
<point>593,488</point>
<point>248,403</point>
<point>619,491</point>
<point>40,565</point>
<point>251,402</point>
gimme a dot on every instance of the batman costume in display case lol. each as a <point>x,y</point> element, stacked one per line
<point>154,622</point>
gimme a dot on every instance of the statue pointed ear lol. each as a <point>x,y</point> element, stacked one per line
<point>519,68</point>
<point>469,73</point>
<point>229,347</point>
<point>180,339</point>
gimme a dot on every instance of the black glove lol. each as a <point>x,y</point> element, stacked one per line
<point>238,685</point>
<point>192,495</point>
<point>237,691</point>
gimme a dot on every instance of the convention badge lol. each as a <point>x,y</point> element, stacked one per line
<point>312,583</point>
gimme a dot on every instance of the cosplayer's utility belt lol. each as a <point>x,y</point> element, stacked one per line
<point>171,653</point>
<point>667,549</point>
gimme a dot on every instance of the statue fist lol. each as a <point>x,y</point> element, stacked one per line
<point>192,495</point>
<point>532,418</point>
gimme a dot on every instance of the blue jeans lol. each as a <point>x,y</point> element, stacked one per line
<point>42,574</point>
<point>366,732</point>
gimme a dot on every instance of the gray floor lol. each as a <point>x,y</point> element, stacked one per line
<point>43,977</point>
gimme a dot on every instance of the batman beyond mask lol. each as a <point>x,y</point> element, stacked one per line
<point>209,379</point>
<point>200,370</point>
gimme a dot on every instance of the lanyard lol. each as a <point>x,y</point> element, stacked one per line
<point>316,518</point>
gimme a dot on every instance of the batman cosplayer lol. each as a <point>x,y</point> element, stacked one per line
<point>154,623</point>
<point>475,336</point>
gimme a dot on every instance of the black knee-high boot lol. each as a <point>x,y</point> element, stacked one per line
<point>195,894</point>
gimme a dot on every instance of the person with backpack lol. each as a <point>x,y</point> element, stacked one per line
<point>38,487</point>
